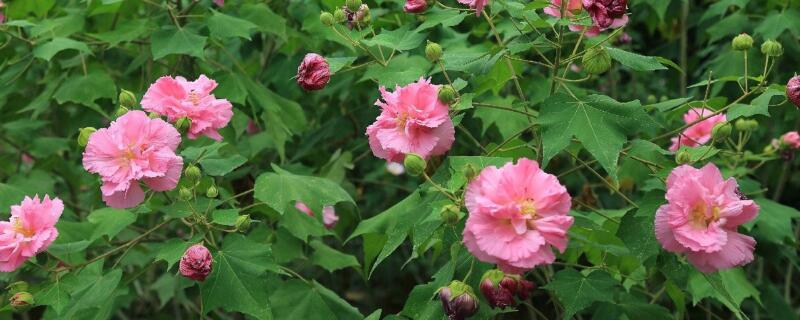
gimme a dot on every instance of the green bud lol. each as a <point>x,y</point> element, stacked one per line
<point>192,173</point>
<point>183,123</point>
<point>326,18</point>
<point>663,98</point>
<point>741,124</point>
<point>19,286</point>
<point>243,223</point>
<point>21,301</point>
<point>769,149</point>
<point>447,94</point>
<point>433,51</point>
<point>127,99</point>
<point>185,194</point>
<point>121,111</point>
<point>450,214</point>
<point>153,115</point>
<point>651,99</point>
<point>742,42</point>
<point>683,157</point>
<point>721,131</point>
<point>596,60</point>
<point>470,172</point>
<point>415,164</point>
<point>84,134</point>
<point>772,48</point>
<point>353,5</point>
<point>212,192</point>
<point>339,15</point>
<point>752,124</point>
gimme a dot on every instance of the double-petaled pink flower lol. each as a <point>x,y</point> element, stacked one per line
<point>791,139</point>
<point>313,73</point>
<point>134,148</point>
<point>475,4</point>
<point>177,98</point>
<point>30,230</point>
<point>196,263</point>
<point>517,214</point>
<point>699,133</point>
<point>412,120</point>
<point>701,219</point>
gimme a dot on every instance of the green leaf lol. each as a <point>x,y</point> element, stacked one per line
<point>637,231</point>
<point>331,259</point>
<point>600,123</point>
<point>266,20</point>
<point>125,32</point>
<point>98,292</point>
<point>577,291</point>
<point>400,39</point>
<point>54,295</point>
<point>109,222</point>
<point>759,105</point>
<point>9,195</point>
<point>668,105</point>
<point>635,61</point>
<point>337,63</point>
<point>87,89</point>
<point>445,17</point>
<point>237,282</point>
<point>310,301</point>
<point>401,70</point>
<point>225,217</point>
<point>47,50</point>
<point>776,23</point>
<point>224,26</point>
<point>699,153</point>
<point>281,190</point>
<point>216,159</point>
<point>302,226</point>
<point>169,41</point>
<point>725,286</point>
<point>171,251</point>
<point>774,221</point>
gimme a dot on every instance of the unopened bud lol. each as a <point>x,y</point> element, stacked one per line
<point>243,223</point>
<point>153,115</point>
<point>121,111</point>
<point>127,99</point>
<point>683,157</point>
<point>212,192</point>
<point>192,173</point>
<point>447,94</point>
<point>415,164</point>
<point>433,51</point>
<point>742,42</point>
<point>772,48</point>
<point>793,90</point>
<point>196,263</point>
<point>19,286</point>
<point>470,171</point>
<point>185,194</point>
<point>21,301</point>
<point>458,300</point>
<point>651,99</point>
<point>596,60</point>
<point>183,123</point>
<point>326,18</point>
<point>339,16</point>
<point>741,124</point>
<point>450,214</point>
<point>84,134</point>
<point>353,5</point>
<point>721,131</point>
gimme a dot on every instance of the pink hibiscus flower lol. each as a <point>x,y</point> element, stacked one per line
<point>30,230</point>
<point>412,120</point>
<point>700,133</point>
<point>791,139</point>
<point>517,213</point>
<point>475,4</point>
<point>133,148</point>
<point>701,219</point>
<point>177,98</point>
<point>595,10</point>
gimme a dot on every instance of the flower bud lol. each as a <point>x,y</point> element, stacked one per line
<point>741,124</point>
<point>433,51</point>
<point>742,42</point>
<point>793,90</point>
<point>353,5</point>
<point>326,18</point>
<point>415,164</point>
<point>21,301</point>
<point>498,289</point>
<point>470,171</point>
<point>313,73</point>
<point>183,123</point>
<point>339,16</point>
<point>121,111</point>
<point>212,192</point>
<point>415,6</point>
<point>651,99</point>
<point>192,173</point>
<point>19,286</point>
<point>772,48</point>
<point>243,223</point>
<point>84,134</point>
<point>450,214</point>
<point>524,289</point>
<point>752,124</point>
<point>683,157</point>
<point>153,115</point>
<point>447,94</point>
<point>127,99</point>
<point>196,263</point>
<point>458,300</point>
<point>721,131</point>
<point>596,60</point>
<point>185,194</point>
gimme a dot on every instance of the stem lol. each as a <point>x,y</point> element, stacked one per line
<point>745,72</point>
<point>129,243</point>
<point>439,188</point>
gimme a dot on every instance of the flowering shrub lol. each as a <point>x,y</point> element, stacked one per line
<point>399,159</point>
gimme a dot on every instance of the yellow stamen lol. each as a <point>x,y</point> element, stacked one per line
<point>698,215</point>
<point>401,121</point>
<point>19,228</point>
<point>528,207</point>
<point>194,98</point>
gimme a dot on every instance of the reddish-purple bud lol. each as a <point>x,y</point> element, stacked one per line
<point>793,90</point>
<point>313,73</point>
<point>524,289</point>
<point>499,296</point>
<point>196,263</point>
<point>604,12</point>
<point>415,6</point>
<point>458,301</point>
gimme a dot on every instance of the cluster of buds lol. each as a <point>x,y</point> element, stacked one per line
<point>458,300</point>
<point>354,13</point>
<point>745,125</point>
<point>499,288</point>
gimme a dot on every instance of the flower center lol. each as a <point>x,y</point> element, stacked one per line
<point>194,97</point>
<point>527,207</point>
<point>699,218</point>
<point>19,228</point>
<point>402,118</point>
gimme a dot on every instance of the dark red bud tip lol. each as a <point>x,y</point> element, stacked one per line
<point>313,73</point>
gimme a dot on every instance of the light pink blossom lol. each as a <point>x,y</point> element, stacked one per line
<point>304,208</point>
<point>475,4</point>
<point>699,133</point>
<point>196,262</point>
<point>134,148</point>
<point>791,139</point>
<point>329,217</point>
<point>415,6</point>
<point>412,120</point>
<point>30,230</point>
<point>517,214</point>
<point>177,98</point>
<point>701,219</point>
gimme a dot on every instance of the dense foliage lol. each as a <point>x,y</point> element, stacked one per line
<point>304,159</point>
